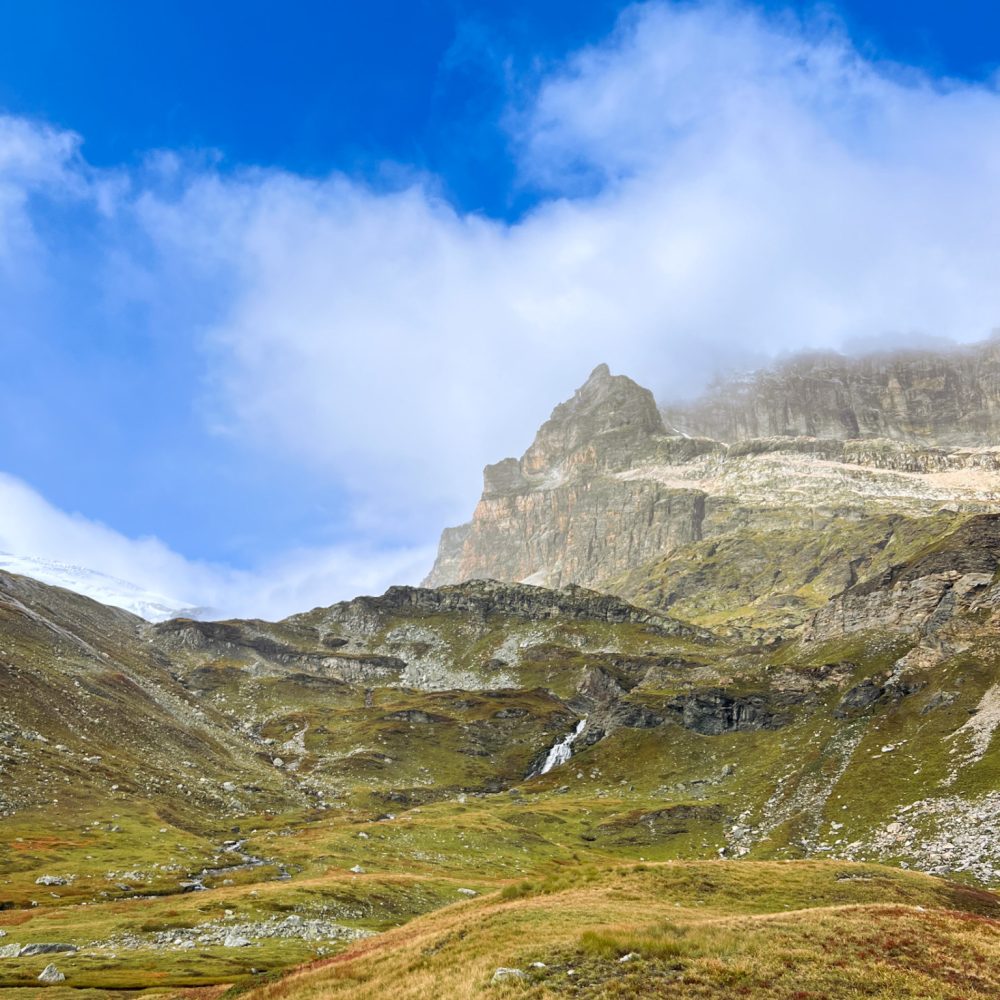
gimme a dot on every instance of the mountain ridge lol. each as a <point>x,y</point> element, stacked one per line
<point>944,397</point>
<point>606,488</point>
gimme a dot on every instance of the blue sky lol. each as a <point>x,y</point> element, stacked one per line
<point>313,87</point>
<point>277,280</point>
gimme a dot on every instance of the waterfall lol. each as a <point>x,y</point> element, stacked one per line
<point>563,750</point>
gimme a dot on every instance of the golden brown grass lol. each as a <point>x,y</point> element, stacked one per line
<point>703,930</point>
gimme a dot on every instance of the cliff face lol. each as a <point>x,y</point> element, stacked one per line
<point>947,398</point>
<point>608,488</point>
<point>566,512</point>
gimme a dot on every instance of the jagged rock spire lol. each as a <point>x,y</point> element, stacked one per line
<point>604,404</point>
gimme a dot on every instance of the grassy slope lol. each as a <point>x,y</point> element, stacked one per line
<point>772,573</point>
<point>708,930</point>
<point>652,794</point>
<point>658,794</point>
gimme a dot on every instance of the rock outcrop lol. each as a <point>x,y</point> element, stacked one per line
<point>564,513</point>
<point>954,575</point>
<point>712,712</point>
<point>607,487</point>
<point>934,397</point>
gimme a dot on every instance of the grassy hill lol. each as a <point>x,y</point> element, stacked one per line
<point>205,807</point>
<point>706,930</point>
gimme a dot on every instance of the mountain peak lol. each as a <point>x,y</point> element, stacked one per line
<point>605,404</point>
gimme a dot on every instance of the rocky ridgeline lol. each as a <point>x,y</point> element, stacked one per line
<point>932,397</point>
<point>485,599</point>
<point>416,637</point>
<point>608,486</point>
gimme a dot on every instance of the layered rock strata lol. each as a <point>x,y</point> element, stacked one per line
<point>948,397</point>
<point>605,488</point>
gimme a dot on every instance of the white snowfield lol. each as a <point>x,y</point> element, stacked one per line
<point>100,587</point>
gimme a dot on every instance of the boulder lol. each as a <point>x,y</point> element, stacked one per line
<point>503,975</point>
<point>46,949</point>
<point>50,974</point>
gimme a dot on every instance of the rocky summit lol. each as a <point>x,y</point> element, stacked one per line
<point>720,506</point>
<point>696,690</point>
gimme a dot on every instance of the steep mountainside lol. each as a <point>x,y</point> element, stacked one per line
<point>605,492</point>
<point>946,398</point>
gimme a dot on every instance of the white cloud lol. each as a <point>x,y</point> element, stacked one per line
<point>33,158</point>
<point>299,580</point>
<point>737,185</point>
<point>721,185</point>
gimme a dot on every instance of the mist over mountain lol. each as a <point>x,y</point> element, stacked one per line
<point>100,587</point>
<point>611,482</point>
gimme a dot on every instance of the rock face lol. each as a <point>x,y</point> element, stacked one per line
<point>945,398</point>
<point>607,486</point>
<point>562,513</point>
<point>608,408</point>
<point>953,576</point>
<point>714,712</point>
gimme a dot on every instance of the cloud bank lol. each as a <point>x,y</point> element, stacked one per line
<point>297,581</point>
<point>713,183</point>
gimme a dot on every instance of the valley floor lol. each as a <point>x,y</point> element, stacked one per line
<point>800,930</point>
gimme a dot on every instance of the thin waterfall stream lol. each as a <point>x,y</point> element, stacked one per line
<point>561,751</point>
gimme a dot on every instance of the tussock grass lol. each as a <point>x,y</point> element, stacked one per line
<point>775,931</point>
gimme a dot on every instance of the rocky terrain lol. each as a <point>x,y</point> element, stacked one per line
<point>944,398</point>
<point>612,497</point>
<point>650,668</point>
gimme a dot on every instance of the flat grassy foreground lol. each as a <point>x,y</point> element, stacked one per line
<point>791,930</point>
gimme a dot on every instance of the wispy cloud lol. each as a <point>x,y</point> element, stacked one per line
<point>295,582</point>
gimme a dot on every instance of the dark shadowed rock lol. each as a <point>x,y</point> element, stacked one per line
<point>860,698</point>
<point>712,713</point>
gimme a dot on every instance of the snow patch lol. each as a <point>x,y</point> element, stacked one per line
<point>100,587</point>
